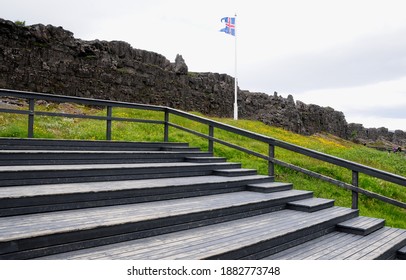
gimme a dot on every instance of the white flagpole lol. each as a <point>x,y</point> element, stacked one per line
<point>235,76</point>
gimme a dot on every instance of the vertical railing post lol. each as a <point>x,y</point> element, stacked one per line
<point>166,126</point>
<point>31,108</point>
<point>211,142</point>
<point>355,193</point>
<point>108,122</point>
<point>271,155</point>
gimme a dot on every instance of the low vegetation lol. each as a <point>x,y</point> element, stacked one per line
<point>68,128</point>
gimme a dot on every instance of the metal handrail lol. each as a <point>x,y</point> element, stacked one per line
<point>356,168</point>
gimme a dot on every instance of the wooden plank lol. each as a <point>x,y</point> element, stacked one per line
<point>254,235</point>
<point>50,223</point>
<point>312,252</point>
<point>183,241</point>
<point>385,246</point>
<point>95,157</point>
<point>23,175</point>
<point>372,244</point>
<point>360,222</point>
<point>146,184</point>
<point>211,240</point>
<point>294,251</point>
<point>200,242</point>
<point>223,239</point>
<point>344,245</point>
<point>361,226</point>
<point>234,172</point>
<point>50,168</point>
<point>194,239</point>
<point>179,239</point>
<point>53,144</point>
<point>364,242</point>
<point>336,243</point>
<point>310,204</point>
<point>269,187</point>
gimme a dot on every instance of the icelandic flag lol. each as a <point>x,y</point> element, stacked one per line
<point>230,25</point>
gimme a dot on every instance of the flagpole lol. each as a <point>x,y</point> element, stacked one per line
<point>235,71</point>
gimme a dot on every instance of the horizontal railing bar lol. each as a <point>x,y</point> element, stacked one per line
<point>299,169</point>
<point>65,115</point>
<point>387,176</point>
<point>81,100</point>
<point>223,126</point>
<point>137,120</point>
<point>52,114</point>
<point>13,111</point>
<point>344,163</point>
<point>220,141</point>
<point>340,183</point>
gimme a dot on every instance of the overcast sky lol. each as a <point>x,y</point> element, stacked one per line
<point>346,54</point>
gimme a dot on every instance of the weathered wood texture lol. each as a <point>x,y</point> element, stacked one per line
<point>381,244</point>
<point>223,240</point>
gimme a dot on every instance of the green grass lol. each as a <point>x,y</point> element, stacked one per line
<point>66,128</point>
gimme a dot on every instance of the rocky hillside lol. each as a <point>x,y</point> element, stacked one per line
<point>49,59</point>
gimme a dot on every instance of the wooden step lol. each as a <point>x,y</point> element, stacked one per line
<point>35,235</point>
<point>19,200</point>
<point>361,225</point>
<point>235,172</point>
<point>381,244</point>
<point>205,159</point>
<point>269,187</point>
<point>229,240</point>
<point>51,174</point>
<point>86,145</point>
<point>311,204</point>
<point>55,157</point>
<point>179,149</point>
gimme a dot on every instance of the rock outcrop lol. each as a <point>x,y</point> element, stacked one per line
<point>372,135</point>
<point>49,59</point>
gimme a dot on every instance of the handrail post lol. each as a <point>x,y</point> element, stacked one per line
<point>211,142</point>
<point>355,178</point>
<point>108,122</point>
<point>31,108</point>
<point>271,166</point>
<point>166,126</point>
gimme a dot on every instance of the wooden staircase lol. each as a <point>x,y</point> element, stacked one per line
<point>69,199</point>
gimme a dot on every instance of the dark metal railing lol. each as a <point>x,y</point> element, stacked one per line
<point>355,168</point>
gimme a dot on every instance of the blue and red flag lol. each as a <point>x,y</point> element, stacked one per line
<point>230,25</point>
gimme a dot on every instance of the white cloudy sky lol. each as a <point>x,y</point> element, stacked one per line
<point>346,54</point>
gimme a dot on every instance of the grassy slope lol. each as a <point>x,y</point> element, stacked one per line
<point>46,127</point>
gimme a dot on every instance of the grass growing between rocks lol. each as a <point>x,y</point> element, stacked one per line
<point>68,128</point>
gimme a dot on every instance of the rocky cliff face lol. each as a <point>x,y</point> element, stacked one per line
<point>298,117</point>
<point>49,59</point>
<point>382,134</point>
